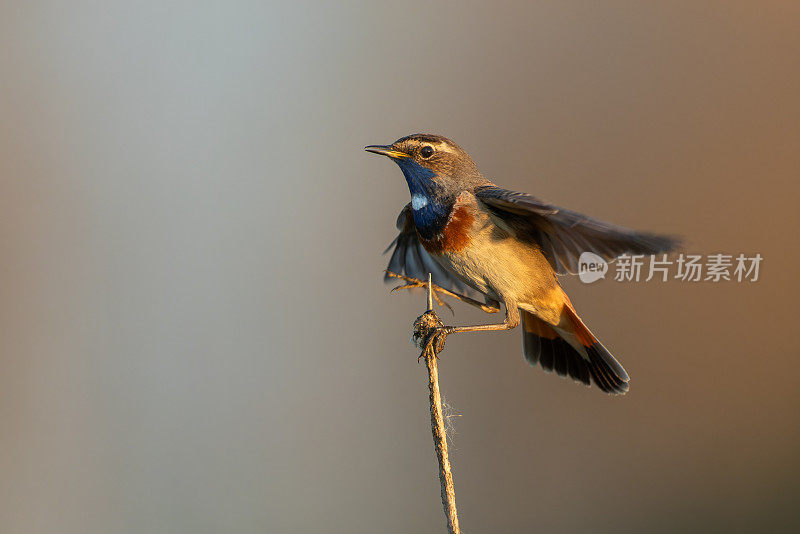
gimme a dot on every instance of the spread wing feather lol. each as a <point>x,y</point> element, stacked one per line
<point>410,258</point>
<point>563,234</point>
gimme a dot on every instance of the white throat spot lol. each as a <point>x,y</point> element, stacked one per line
<point>418,202</point>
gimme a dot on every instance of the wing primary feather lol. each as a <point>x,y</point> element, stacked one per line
<point>563,234</point>
<point>410,258</point>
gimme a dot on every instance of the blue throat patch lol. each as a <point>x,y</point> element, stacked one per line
<point>430,213</point>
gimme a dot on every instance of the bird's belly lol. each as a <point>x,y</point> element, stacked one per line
<point>503,267</point>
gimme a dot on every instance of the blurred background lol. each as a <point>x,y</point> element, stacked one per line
<point>194,334</point>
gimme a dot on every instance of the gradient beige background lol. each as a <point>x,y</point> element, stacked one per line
<point>194,336</point>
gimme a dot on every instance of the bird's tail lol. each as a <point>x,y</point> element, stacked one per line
<point>571,349</point>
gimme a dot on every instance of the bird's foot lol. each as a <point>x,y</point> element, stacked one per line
<point>430,333</point>
<point>491,306</point>
<point>413,283</point>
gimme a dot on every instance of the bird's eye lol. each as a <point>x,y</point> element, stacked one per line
<point>426,152</point>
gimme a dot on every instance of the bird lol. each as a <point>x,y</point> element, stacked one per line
<point>478,239</point>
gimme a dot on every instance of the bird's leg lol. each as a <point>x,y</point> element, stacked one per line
<point>431,330</point>
<point>412,283</point>
<point>511,321</point>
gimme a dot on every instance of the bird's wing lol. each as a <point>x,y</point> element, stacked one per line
<point>562,234</point>
<point>410,258</point>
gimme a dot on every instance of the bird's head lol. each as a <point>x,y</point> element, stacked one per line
<point>436,169</point>
<point>432,163</point>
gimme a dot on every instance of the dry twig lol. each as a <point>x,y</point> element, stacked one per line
<point>429,336</point>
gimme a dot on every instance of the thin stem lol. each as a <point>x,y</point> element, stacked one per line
<point>437,420</point>
<point>430,293</point>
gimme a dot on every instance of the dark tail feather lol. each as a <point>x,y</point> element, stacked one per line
<point>607,373</point>
<point>542,344</point>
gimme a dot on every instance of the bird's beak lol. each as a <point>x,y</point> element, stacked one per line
<point>386,150</point>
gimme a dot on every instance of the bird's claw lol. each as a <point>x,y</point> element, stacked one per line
<point>413,283</point>
<point>430,333</point>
